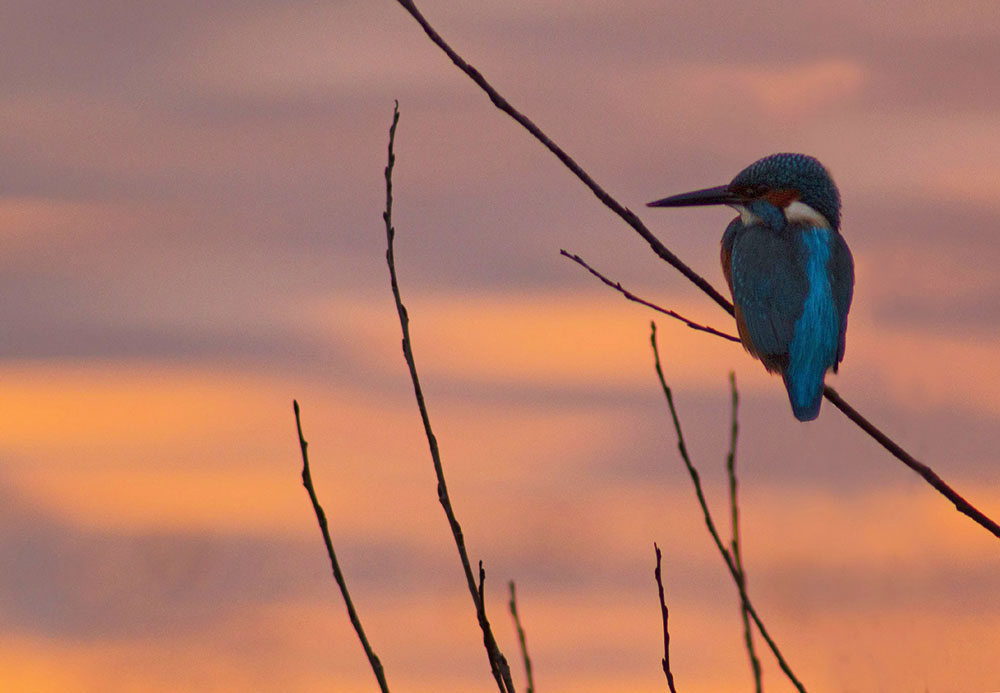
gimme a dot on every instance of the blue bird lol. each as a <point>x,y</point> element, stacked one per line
<point>788,268</point>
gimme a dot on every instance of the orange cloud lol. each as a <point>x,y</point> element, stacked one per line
<point>131,446</point>
<point>923,370</point>
<point>542,339</point>
<point>134,448</point>
<point>790,92</point>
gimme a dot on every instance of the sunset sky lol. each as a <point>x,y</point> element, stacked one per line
<point>190,215</point>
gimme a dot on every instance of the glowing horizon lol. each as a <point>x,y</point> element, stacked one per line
<point>190,211</point>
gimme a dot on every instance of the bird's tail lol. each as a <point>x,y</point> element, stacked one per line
<point>804,382</point>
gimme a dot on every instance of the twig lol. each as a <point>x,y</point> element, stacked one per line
<point>625,213</point>
<point>711,525</point>
<point>498,663</point>
<point>663,252</point>
<point>928,474</point>
<point>736,551</point>
<point>521,639</point>
<point>617,286</point>
<point>373,659</point>
<point>665,617</point>
<point>963,506</point>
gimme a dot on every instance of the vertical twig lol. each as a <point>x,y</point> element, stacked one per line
<point>736,550</point>
<point>665,617</point>
<point>498,663</point>
<point>337,575</point>
<point>711,525</point>
<point>521,639</point>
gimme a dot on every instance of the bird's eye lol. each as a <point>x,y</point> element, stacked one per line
<point>755,190</point>
<point>746,191</point>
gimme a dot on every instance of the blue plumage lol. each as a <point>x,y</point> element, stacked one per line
<point>789,270</point>
<point>814,345</point>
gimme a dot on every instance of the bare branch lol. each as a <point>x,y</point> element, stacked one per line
<point>665,615</point>
<point>521,639</point>
<point>498,663</point>
<point>617,286</point>
<point>373,659</point>
<point>737,553</point>
<point>625,213</point>
<point>711,525</point>
<point>963,506</point>
<point>662,251</point>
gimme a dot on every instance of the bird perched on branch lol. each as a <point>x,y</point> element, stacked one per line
<point>789,270</point>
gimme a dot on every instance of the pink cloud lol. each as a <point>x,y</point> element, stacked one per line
<point>793,93</point>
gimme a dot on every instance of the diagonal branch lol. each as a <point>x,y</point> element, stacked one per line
<point>498,663</point>
<point>617,286</point>
<point>696,479</point>
<point>625,213</point>
<point>963,506</point>
<point>928,474</point>
<point>373,659</point>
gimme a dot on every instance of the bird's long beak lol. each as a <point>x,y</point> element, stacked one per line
<point>720,195</point>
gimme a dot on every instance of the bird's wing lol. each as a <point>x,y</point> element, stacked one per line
<point>734,229</point>
<point>841,267</point>
<point>769,287</point>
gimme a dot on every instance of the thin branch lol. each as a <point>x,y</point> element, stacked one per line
<point>737,553</point>
<point>521,639</point>
<point>498,663</point>
<point>963,506</point>
<point>711,525</point>
<point>373,659</point>
<point>628,215</point>
<point>632,297</point>
<point>665,617</point>
<point>923,470</point>
<point>663,252</point>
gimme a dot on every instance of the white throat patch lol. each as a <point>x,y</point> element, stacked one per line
<point>746,216</point>
<point>799,212</point>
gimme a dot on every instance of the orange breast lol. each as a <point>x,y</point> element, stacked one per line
<point>782,198</point>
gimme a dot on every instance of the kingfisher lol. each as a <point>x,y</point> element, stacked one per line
<point>789,270</point>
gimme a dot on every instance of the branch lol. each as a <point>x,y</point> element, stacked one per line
<point>498,663</point>
<point>735,517</point>
<point>521,639</point>
<point>962,505</point>
<point>628,215</point>
<point>663,252</point>
<point>617,286</point>
<point>337,575</point>
<point>711,525</point>
<point>665,617</point>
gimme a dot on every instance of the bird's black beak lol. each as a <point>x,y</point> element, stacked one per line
<point>721,195</point>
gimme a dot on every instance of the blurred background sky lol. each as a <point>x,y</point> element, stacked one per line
<point>190,215</point>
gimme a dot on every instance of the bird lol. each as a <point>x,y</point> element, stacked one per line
<point>789,270</point>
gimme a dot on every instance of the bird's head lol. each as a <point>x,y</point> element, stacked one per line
<point>789,187</point>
